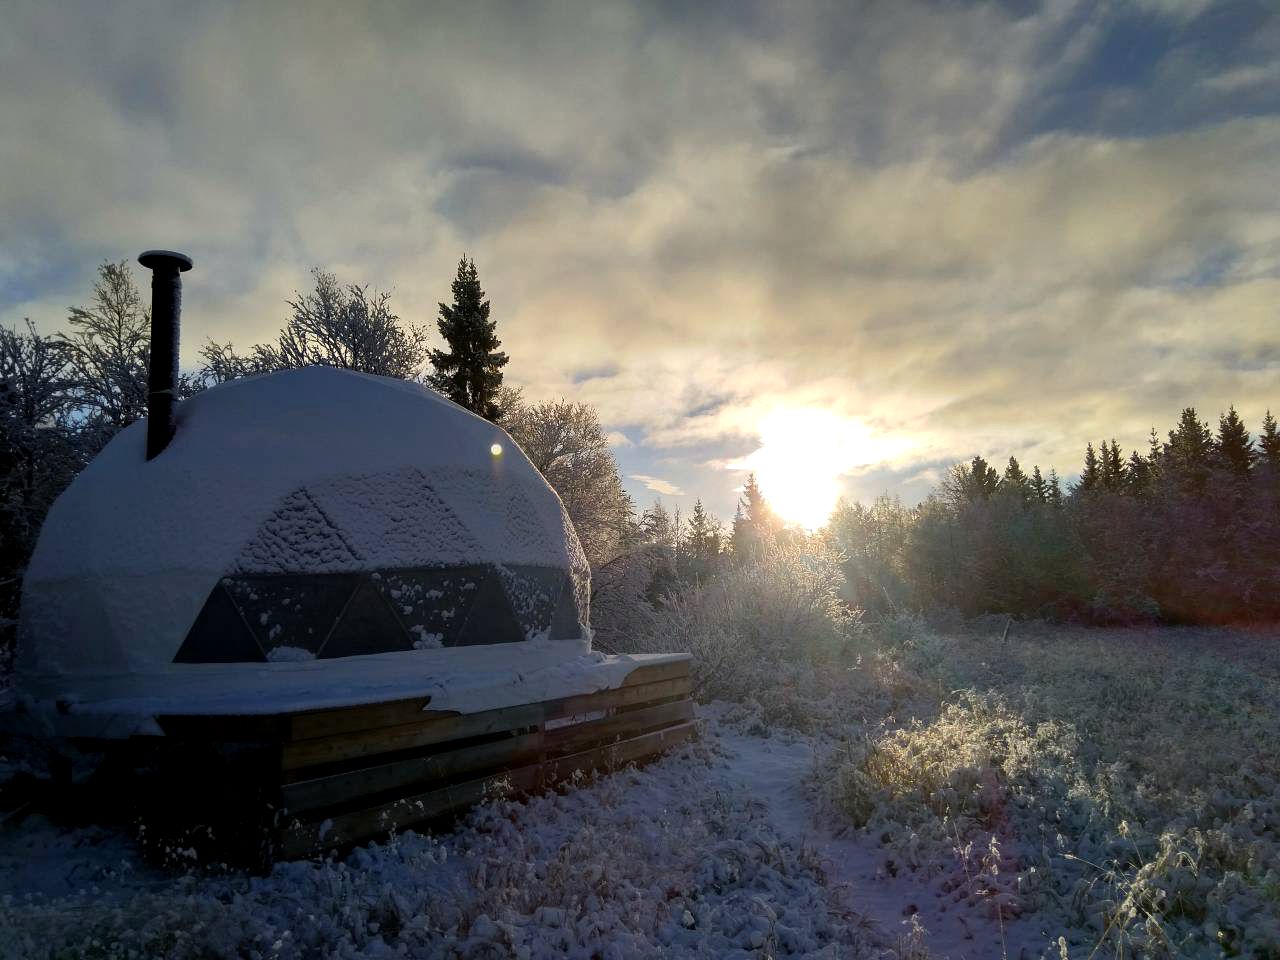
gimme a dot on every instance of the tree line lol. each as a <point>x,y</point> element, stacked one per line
<point>1186,532</point>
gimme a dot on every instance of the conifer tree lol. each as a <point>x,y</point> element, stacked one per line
<point>1055,489</point>
<point>1269,445</point>
<point>1015,482</point>
<point>470,372</point>
<point>1039,488</point>
<point>1137,475</point>
<point>1189,452</point>
<point>754,523</point>
<point>982,480</point>
<point>1233,447</point>
<point>1091,476</point>
<point>702,551</point>
<point>1112,466</point>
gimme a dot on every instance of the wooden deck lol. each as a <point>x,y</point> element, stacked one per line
<point>341,776</point>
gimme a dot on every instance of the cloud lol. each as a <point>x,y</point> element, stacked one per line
<point>975,227</point>
<point>658,485</point>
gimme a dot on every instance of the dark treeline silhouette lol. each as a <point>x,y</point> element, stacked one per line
<point>1187,532</point>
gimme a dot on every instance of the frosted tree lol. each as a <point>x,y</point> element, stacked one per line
<point>108,349</point>
<point>469,372</point>
<point>755,525</point>
<point>333,325</point>
<point>700,557</point>
<point>38,450</point>
<point>565,442</point>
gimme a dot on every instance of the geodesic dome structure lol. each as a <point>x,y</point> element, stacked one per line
<point>307,515</point>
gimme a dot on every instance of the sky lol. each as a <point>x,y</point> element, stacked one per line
<point>874,237</point>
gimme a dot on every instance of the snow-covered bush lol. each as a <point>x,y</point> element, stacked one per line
<point>763,629</point>
<point>1125,786</point>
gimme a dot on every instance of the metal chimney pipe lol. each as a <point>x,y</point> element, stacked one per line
<point>166,268</point>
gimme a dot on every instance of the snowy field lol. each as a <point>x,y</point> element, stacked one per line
<point>1060,794</point>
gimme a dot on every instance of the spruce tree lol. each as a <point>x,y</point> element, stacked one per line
<point>1055,489</point>
<point>1015,482</point>
<point>1039,488</point>
<point>470,372</point>
<point>1269,444</point>
<point>1137,475</point>
<point>702,550</point>
<point>1233,447</point>
<point>1091,476</point>
<point>1112,466</point>
<point>754,524</point>
<point>1188,456</point>
<point>980,480</point>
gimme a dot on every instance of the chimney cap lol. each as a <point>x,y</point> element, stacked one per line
<point>155,259</point>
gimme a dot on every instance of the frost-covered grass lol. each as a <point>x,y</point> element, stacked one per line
<point>1122,786</point>
<point>672,860</point>
<point>1119,790</point>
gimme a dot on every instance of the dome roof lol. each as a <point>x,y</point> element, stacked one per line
<point>307,514</point>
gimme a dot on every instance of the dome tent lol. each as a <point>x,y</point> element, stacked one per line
<point>308,515</point>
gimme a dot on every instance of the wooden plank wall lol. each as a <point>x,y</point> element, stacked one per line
<point>353,773</point>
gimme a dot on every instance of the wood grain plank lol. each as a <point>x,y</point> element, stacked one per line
<point>652,673</point>
<point>330,722</point>
<point>299,754</point>
<point>306,795</point>
<point>438,728</point>
<point>305,838</point>
<point>581,735</point>
<point>618,697</point>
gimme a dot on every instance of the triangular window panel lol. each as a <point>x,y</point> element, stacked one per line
<point>367,626</point>
<point>491,619</point>
<point>533,593</point>
<point>219,635</point>
<point>292,616</point>
<point>565,624</point>
<point>432,602</point>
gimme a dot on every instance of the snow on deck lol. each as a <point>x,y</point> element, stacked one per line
<point>120,706</point>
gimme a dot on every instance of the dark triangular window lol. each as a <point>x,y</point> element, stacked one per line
<point>219,635</point>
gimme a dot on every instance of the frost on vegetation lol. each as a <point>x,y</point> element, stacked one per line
<point>1126,789</point>
<point>659,862</point>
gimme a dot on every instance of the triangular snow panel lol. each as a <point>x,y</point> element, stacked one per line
<point>297,536</point>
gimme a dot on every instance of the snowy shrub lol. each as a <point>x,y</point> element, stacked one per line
<point>774,629</point>
<point>1126,787</point>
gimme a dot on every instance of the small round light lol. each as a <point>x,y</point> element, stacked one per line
<point>496,449</point>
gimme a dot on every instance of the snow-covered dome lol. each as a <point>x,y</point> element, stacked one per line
<point>312,514</point>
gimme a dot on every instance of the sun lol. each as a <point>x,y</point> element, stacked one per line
<point>804,454</point>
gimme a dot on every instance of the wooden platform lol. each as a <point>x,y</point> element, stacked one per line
<point>331,778</point>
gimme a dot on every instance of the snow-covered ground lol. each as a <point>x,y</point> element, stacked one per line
<point>948,797</point>
<point>715,851</point>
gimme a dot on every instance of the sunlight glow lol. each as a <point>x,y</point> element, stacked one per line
<point>496,449</point>
<point>804,454</point>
